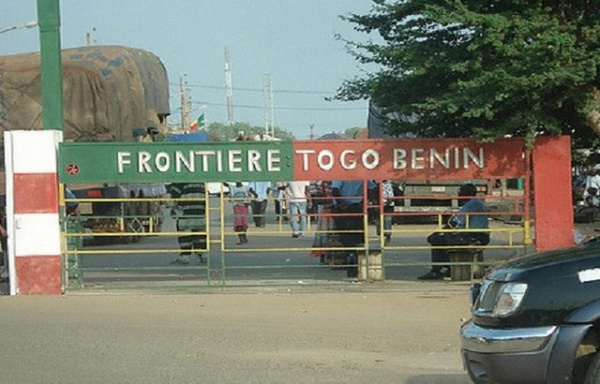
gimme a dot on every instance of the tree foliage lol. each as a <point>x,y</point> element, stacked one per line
<point>481,68</point>
<point>224,132</point>
<point>353,132</point>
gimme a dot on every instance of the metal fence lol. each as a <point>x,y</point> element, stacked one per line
<point>127,248</point>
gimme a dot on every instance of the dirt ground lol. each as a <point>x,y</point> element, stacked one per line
<point>382,333</point>
<point>406,334</point>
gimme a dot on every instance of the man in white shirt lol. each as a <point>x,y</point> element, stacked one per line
<point>298,193</point>
<point>592,184</point>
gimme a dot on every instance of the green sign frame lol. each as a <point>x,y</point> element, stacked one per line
<point>165,162</point>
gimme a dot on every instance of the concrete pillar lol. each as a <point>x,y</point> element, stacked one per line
<point>32,212</point>
<point>552,194</point>
<point>370,267</point>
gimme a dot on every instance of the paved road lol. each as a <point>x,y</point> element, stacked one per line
<point>405,335</point>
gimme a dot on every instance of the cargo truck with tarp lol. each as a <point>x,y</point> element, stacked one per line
<point>110,94</point>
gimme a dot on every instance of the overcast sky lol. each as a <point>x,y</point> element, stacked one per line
<point>292,40</point>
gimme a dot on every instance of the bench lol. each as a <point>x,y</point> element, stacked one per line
<point>465,255</point>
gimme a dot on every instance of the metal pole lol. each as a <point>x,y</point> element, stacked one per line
<point>52,91</point>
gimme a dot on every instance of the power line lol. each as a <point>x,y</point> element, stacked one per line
<point>284,108</point>
<point>222,87</point>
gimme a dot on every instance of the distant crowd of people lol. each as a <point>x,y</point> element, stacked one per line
<point>337,209</point>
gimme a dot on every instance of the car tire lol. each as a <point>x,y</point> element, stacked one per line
<point>593,372</point>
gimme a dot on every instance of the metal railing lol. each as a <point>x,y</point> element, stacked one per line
<point>272,256</point>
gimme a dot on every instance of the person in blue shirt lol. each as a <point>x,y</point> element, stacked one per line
<point>72,206</point>
<point>349,202</point>
<point>260,193</point>
<point>472,216</point>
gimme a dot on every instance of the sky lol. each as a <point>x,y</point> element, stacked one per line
<point>293,41</point>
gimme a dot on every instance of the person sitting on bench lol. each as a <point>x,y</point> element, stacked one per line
<point>462,221</point>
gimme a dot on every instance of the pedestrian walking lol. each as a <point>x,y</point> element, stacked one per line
<point>191,219</point>
<point>298,200</point>
<point>239,194</point>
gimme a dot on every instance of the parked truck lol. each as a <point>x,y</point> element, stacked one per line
<point>111,94</point>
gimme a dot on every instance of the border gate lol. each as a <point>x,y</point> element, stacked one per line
<point>273,256</point>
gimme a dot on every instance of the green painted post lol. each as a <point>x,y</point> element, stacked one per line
<point>52,92</point>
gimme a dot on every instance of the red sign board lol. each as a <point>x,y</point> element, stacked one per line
<point>408,159</point>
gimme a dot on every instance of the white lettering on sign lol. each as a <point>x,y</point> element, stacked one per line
<point>417,158</point>
<point>399,160</point>
<point>273,160</point>
<point>182,160</point>
<point>235,159</point>
<point>325,160</point>
<point>199,160</point>
<point>450,158</point>
<point>123,159</point>
<point>144,162</point>
<point>437,157</point>
<point>253,157</point>
<point>370,159</point>
<point>347,159</point>
<point>163,162</point>
<point>204,158</point>
<point>304,153</point>
<point>476,159</point>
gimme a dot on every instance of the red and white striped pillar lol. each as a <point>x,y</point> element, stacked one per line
<point>33,225</point>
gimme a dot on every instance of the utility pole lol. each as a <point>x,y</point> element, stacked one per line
<point>185,103</point>
<point>228,89</point>
<point>268,101</point>
<point>312,133</point>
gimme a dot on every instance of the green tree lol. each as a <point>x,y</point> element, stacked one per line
<point>283,134</point>
<point>224,132</point>
<point>481,68</point>
<point>352,132</point>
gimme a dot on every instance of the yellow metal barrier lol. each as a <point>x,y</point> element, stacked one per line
<point>271,253</point>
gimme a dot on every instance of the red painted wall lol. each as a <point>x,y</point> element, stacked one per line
<point>39,275</point>
<point>553,215</point>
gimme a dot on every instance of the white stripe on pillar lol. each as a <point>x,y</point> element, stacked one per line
<point>38,234</point>
<point>34,250</point>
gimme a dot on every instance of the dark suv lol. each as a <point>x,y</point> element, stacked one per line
<point>537,320</point>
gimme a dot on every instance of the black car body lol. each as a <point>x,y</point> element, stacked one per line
<point>537,320</point>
